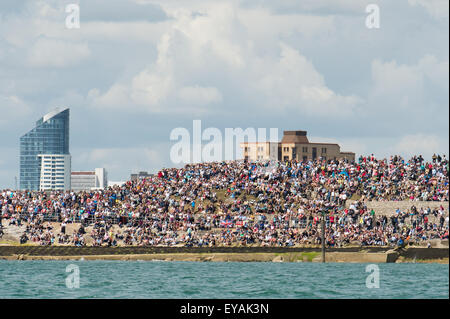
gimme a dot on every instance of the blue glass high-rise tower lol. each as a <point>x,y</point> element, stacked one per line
<point>50,136</point>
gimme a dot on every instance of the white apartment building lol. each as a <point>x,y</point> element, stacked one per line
<point>55,172</point>
<point>88,180</point>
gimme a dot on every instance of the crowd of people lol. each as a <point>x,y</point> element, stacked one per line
<point>262,203</point>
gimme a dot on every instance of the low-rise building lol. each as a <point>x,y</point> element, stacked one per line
<point>114,184</point>
<point>261,151</point>
<point>89,180</point>
<point>140,176</point>
<point>293,146</point>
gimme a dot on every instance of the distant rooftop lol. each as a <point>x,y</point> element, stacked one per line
<point>53,113</point>
<point>83,173</point>
<point>294,137</point>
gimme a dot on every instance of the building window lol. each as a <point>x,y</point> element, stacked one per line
<point>324,150</point>
<point>246,149</point>
<point>305,149</point>
<point>286,149</point>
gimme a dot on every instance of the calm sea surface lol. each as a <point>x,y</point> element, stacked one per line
<point>158,279</point>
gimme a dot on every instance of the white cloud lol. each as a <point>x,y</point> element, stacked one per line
<point>403,86</point>
<point>118,161</point>
<point>216,45</point>
<point>437,8</point>
<point>57,53</point>
<point>116,32</point>
<point>151,88</point>
<point>261,23</point>
<point>115,97</point>
<point>389,76</point>
<point>294,5</point>
<point>46,19</point>
<point>12,108</point>
<point>200,95</point>
<point>425,144</point>
<point>435,71</point>
<point>294,83</point>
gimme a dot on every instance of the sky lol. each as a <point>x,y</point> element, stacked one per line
<point>137,69</point>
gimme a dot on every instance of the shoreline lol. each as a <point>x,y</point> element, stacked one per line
<point>231,257</point>
<point>228,254</point>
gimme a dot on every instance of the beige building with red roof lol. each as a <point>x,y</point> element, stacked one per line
<point>293,146</point>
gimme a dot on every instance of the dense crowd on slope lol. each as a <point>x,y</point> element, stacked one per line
<point>261,203</point>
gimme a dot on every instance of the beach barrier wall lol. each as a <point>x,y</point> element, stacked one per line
<point>346,254</point>
<point>425,253</point>
<point>81,251</point>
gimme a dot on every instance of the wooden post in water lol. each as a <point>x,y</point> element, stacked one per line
<point>323,236</point>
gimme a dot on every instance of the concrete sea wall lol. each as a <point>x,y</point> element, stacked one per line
<point>241,254</point>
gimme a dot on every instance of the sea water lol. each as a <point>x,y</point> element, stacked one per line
<point>227,280</point>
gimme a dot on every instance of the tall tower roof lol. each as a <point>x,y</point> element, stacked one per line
<point>51,114</point>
